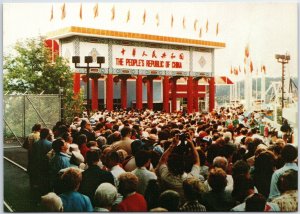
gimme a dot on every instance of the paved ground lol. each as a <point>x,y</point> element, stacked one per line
<point>17,193</point>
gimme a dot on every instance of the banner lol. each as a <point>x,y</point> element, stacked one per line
<point>132,57</point>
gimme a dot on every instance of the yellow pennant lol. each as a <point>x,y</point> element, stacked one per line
<point>63,11</point>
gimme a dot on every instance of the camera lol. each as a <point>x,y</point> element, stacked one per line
<point>183,137</point>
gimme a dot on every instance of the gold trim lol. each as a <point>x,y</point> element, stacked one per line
<point>60,33</point>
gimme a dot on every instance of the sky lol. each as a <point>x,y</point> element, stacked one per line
<point>268,28</point>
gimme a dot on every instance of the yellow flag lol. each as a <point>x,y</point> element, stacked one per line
<point>63,11</point>
<point>128,16</point>
<point>195,24</point>
<point>96,10</point>
<point>144,17</point>
<point>51,15</point>
<point>172,20</point>
<point>206,25</point>
<point>217,30</point>
<point>183,22</point>
<point>113,13</point>
<point>200,32</point>
<point>157,19</point>
<point>80,11</point>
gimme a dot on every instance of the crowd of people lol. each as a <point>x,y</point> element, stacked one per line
<point>126,161</point>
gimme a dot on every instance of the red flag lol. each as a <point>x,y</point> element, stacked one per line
<point>96,10</point>
<point>264,69</point>
<point>113,11</point>
<point>144,17</point>
<point>231,71</point>
<point>63,11</point>
<point>51,16</point>
<point>80,11</point>
<point>157,19</point>
<point>195,24</point>
<point>128,16</point>
<point>251,67</point>
<point>247,51</point>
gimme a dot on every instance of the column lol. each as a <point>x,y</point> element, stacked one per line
<point>173,90</point>
<point>196,96</point>
<point>76,83</point>
<point>150,93</point>
<point>123,92</point>
<point>139,92</point>
<point>94,94</point>
<point>166,94</point>
<point>190,95</point>
<point>109,92</point>
<point>211,94</point>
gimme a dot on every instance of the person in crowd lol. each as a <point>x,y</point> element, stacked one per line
<point>125,142</point>
<point>28,144</point>
<point>171,167</point>
<point>255,203</point>
<point>243,189</point>
<point>82,144</point>
<point>288,187</point>
<point>40,150</point>
<point>93,176</point>
<point>193,188</point>
<point>132,201</point>
<point>240,167</point>
<point>170,200</point>
<point>87,130</point>
<point>105,196</point>
<point>129,164</point>
<point>203,168</point>
<point>152,194</point>
<point>73,201</point>
<point>112,162</point>
<point>264,166</point>
<point>217,199</point>
<point>142,160</point>
<point>61,159</point>
<point>51,203</point>
<point>289,154</point>
<point>221,162</point>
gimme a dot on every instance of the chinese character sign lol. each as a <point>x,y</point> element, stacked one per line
<point>150,58</point>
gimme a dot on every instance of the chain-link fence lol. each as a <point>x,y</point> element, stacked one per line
<point>21,112</point>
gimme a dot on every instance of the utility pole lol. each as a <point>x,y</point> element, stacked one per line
<point>283,59</point>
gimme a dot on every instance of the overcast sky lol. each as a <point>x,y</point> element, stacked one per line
<point>268,28</point>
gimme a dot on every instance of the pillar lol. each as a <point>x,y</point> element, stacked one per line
<point>109,92</point>
<point>190,95</point>
<point>196,95</point>
<point>166,88</point>
<point>123,93</point>
<point>211,94</point>
<point>174,90</point>
<point>95,94</point>
<point>139,92</point>
<point>76,83</point>
<point>150,93</point>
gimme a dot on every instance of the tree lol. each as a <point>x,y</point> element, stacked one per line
<point>31,69</point>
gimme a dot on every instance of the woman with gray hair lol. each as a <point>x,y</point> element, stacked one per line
<point>105,196</point>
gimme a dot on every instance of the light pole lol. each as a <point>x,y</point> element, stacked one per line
<point>283,59</point>
<point>88,60</point>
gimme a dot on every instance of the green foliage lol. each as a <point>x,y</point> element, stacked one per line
<point>30,68</point>
<point>74,103</point>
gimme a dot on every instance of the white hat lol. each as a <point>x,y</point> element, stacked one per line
<point>52,202</point>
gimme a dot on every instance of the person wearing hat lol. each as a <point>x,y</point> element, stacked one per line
<point>105,196</point>
<point>51,203</point>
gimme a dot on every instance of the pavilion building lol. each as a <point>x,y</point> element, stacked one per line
<point>141,70</point>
